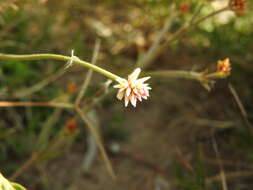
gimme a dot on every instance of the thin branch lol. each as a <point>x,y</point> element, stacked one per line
<point>36,104</point>
<point>177,74</point>
<point>33,159</point>
<point>98,139</point>
<point>229,176</point>
<point>150,56</point>
<point>92,149</point>
<point>222,173</point>
<point>238,100</point>
<point>240,105</point>
<point>183,161</point>
<point>40,85</point>
<point>89,73</point>
<point>32,57</point>
<point>195,15</point>
<point>163,33</point>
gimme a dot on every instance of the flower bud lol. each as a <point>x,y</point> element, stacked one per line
<point>70,126</point>
<point>238,6</point>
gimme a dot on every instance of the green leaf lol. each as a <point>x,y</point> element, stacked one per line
<point>6,185</point>
<point>17,186</point>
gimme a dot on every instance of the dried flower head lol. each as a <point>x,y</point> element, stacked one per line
<point>133,89</point>
<point>71,87</point>
<point>184,7</point>
<point>224,66</point>
<point>70,126</point>
<point>238,6</point>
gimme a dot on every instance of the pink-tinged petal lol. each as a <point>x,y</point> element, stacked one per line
<point>128,91</point>
<point>141,91</point>
<point>132,77</point>
<point>133,100</point>
<point>126,101</point>
<point>145,97</point>
<point>142,80</point>
<point>132,89</point>
<point>139,97</point>
<point>135,90</point>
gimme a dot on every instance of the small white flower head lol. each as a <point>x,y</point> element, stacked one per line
<point>132,89</point>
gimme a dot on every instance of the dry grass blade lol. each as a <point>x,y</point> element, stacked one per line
<point>35,104</point>
<point>152,54</point>
<point>40,85</point>
<point>163,33</point>
<point>89,73</point>
<point>229,176</point>
<point>33,159</point>
<point>238,101</point>
<point>240,105</point>
<point>98,139</point>
<point>222,173</point>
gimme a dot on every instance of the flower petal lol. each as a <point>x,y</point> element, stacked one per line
<point>126,101</point>
<point>121,80</point>
<point>120,95</point>
<point>134,75</point>
<point>128,91</point>
<point>133,100</point>
<point>142,80</point>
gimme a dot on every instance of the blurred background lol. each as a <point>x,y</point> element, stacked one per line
<point>182,137</point>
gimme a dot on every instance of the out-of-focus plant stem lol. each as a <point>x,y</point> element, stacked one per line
<point>33,159</point>
<point>36,104</point>
<point>199,76</point>
<point>98,139</point>
<point>89,73</point>
<point>153,53</point>
<point>32,57</point>
<point>176,74</point>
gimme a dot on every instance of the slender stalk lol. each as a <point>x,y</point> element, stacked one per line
<point>152,53</point>
<point>33,159</point>
<point>177,74</point>
<point>156,45</point>
<point>36,104</point>
<point>98,139</point>
<point>32,57</point>
<point>89,73</point>
<point>222,172</point>
<point>40,85</point>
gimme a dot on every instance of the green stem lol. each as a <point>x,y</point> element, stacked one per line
<point>177,74</point>
<point>60,58</point>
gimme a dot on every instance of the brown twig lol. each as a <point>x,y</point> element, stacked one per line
<point>89,73</point>
<point>33,159</point>
<point>222,172</point>
<point>229,176</point>
<point>163,33</point>
<point>28,91</point>
<point>36,104</point>
<point>150,56</point>
<point>241,107</point>
<point>98,139</point>
<point>181,159</point>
